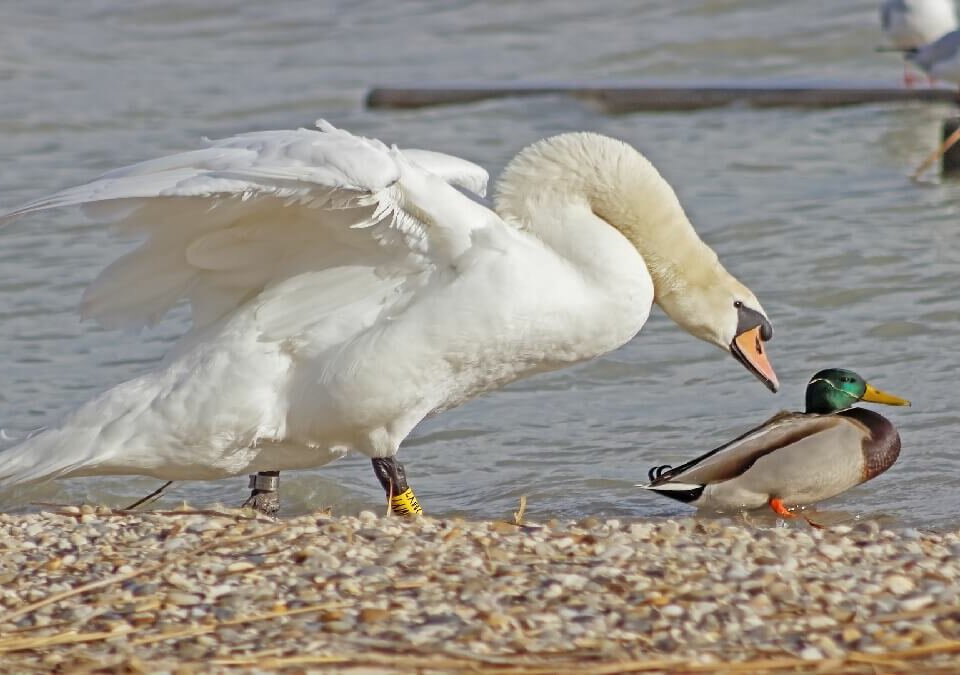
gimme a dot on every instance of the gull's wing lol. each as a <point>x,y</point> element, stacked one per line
<point>350,218</point>
<point>942,49</point>
<point>734,458</point>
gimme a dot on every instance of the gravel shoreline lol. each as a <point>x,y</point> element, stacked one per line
<point>85,589</point>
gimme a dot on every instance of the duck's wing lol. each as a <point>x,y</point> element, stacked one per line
<point>734,458</point>
<point>226,223</point>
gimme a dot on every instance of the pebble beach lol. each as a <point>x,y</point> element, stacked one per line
<point>87,589</point>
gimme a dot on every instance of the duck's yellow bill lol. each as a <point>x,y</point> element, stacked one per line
<point>874,395</point>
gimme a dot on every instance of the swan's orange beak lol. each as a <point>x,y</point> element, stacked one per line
<point>747,348</point>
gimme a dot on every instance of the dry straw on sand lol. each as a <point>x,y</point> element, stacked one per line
<point>91,590</point>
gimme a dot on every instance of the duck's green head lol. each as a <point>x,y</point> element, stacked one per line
<point>835,389</point>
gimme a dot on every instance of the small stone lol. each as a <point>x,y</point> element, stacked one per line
<point>372,615</point>
<point>899,584</point>
<point>830,551</point>
<point>180,598</point>
<point>737,572</point>
<point>916,602</point>
<point>142,619</point>
<point>818,622</point>
<point>811,654</point>
<point>850,634</point>
<point>497,621</point>
<point>672,611</point>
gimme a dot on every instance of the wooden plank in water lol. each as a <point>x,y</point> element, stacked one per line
<point>623,97</point>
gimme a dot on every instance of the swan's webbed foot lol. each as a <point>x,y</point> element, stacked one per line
<point>264,492</point>
<point>393,478</point>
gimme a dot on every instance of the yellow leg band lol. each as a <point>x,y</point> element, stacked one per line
<point>405,504</point>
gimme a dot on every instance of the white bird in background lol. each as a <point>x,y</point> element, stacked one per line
<point>342,290</point>
<point>910,24</point>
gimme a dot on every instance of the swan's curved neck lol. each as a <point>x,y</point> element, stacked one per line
<point>645,209</point>
<point>618,185</point>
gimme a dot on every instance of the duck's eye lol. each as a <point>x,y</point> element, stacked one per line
<point>737,304</point>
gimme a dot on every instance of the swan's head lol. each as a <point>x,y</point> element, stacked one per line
<point>621,187</point>
<point>717,308</point>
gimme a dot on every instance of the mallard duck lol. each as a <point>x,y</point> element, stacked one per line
<point>341,290</point>
<point>794,458</point>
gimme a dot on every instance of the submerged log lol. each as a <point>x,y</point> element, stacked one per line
<point>650,95</point>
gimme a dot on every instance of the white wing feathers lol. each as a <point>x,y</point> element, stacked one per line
<point>452,169</point>
<point>226,223</point>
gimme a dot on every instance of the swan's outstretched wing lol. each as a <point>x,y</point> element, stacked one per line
<point>350,216</point>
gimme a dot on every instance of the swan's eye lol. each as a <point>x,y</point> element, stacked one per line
<point>737,304</point>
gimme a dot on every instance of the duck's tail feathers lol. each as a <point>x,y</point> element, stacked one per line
<point>682,492</point>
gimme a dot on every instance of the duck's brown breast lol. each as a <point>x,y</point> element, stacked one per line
<point>881,442</point>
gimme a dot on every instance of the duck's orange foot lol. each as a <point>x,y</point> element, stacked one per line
<point>777,505</point>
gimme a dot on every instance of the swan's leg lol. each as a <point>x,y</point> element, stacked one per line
<point>393,478</point>
<point>777,505</point>
<point>265,492</point>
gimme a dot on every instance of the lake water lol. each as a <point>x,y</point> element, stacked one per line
<point>856,265</point>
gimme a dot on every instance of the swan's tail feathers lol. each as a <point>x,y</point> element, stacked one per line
<point>682,492</point>
<point>44,456</point>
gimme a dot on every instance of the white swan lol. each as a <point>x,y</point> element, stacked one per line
<point>342,290</point>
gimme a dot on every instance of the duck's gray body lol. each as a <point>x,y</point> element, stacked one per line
<point>798,458</point>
